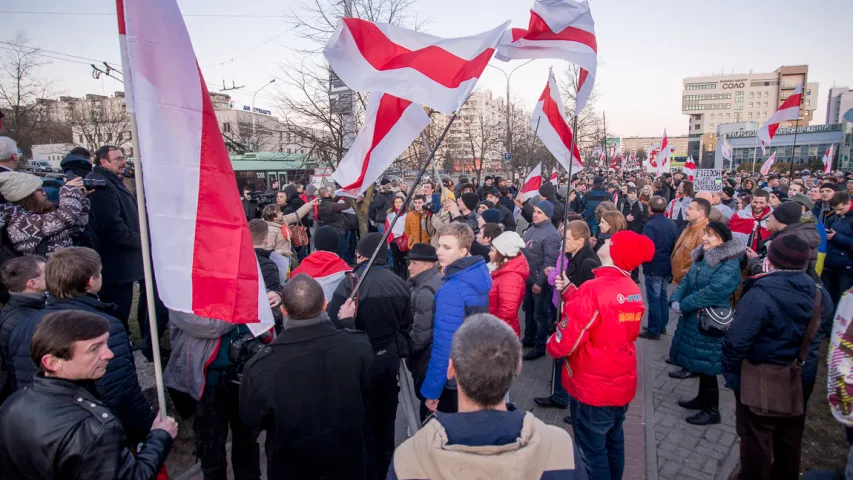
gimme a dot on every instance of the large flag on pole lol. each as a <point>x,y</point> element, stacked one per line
<point>432,71</point>
<point>201,247</point>
<point>827,160</point>
<point>562,29</point>
<point>530,187</point>
<point>550,114</point>
<point>768,164</point>
<point>663,155</point>
<point>390,125</point>
<point>789,110</point>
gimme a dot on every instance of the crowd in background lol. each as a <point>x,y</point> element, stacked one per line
<point>471,280</point>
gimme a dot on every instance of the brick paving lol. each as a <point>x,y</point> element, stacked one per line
<point>663,447</point>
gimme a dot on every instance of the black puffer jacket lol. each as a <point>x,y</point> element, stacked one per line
<point>114,229</point>
<point>60,429</point>
<point>118,388</point>
<point>20,307</point>
<point>424,286</point>
<point>770,323</point>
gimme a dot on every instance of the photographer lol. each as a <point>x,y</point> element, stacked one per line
<point>114,230</point>
<point>202,378</point>
<point>33,224</point>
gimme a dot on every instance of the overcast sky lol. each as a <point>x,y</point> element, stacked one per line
<point>645,48</point>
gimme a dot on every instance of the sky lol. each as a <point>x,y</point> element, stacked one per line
<point>645,48</point>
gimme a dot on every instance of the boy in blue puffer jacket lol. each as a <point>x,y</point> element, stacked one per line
<point>464,292</point>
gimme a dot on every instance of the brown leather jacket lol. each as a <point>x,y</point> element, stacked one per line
<point>690,238</point>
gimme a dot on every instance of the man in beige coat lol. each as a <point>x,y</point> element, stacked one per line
<point>697,218</point>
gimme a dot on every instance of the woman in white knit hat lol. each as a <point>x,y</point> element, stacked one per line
<point>509,274</point>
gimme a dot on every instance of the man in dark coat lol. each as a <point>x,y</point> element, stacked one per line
<point>78,163</point>
<point>24,278</point>
<point>591,199</point>
<point>59,428</point>
<point>383,311</point>
<point>548,192</point>
<point>663,232</point>
<point>73,280</point>
<point>771,321</point>
<point>507,217</point>
<point>381,204</point>
<point>329,210</point>
<point>542,249</point>
<point>837,273</point>
<point>114,233</point>
<point>317,433</point>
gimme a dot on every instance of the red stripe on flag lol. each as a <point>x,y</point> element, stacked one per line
<point>390,110</point>
<point>771,129</point>
<point>552,113</point>
<point>532,185</point>
<point>122,28</point>
<point>225,270</point>
<point>539,30</point>
<point>433,62</point>
<point>582,78</point>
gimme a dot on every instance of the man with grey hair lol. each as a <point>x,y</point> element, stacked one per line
<point>488,437</point>
<point>8,154</point>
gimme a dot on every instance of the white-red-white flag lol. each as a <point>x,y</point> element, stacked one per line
<point>765,167</point>
<point>554,179</point>
<point>827,160</point>
<point>428,70</point>
<point>200,243</point>
<point>550,116</point>
<point>663,155</point>
<point>689,169</point>
<point>789,110</point>
<point>561,29</point>
<point>390,125</point>
<point>532,182</point>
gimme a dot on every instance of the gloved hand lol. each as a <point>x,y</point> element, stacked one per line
<point>675,307</point>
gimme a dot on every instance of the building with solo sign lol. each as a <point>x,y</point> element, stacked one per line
<point>713,100</point>
<point>812,142</point>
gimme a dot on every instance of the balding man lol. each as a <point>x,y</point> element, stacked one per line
<point>316,433</point>
<point>719,212</point>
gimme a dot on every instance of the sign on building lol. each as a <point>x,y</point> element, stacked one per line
<point>708,180</point>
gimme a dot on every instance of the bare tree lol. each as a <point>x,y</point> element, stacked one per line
<point>93,123</point>
<point>481,142</point>
<point>527,149</point>
<point>26,118</point>
<point>641,154</point>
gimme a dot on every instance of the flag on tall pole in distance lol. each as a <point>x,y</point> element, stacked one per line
<point>689,169</point>
<point>789,110</point>
<point>550,116</point>
<point>663,155</point>
<point>562,29</point>
<point>437,72</point>
<point>202,251</point>
<point>530,187</point>
<point>768,164</point>
<point>390,125</point>
<point>827,160</point>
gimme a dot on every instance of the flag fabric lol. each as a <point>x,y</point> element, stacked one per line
<point>390,125</point>
<point>530,187</point>
<point>562,29</point>
<point>200,243</point>
<point>428,70</point>
<point>789,110</point>
<point>663,155</point>
<point>765,167</point>
<point>325,267</point>
<point>550,115</point>
<point>554,179</point>
<point>689,169</point>
<point>827,160</point>
<point>726,149</point>
<point>653,155</point>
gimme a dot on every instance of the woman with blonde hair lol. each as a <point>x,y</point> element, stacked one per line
<point>646,194</point>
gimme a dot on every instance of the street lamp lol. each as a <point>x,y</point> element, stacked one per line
<point>254,120</point>
<point>508,131</point>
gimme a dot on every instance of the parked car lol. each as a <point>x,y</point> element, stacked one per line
<point>39,166</point>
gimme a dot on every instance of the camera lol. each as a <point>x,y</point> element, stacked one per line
<point>263,198</point>
<point>94,183</point>
<point>242,349</point>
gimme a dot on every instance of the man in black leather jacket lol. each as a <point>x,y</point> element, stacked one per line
<point>59,428</point>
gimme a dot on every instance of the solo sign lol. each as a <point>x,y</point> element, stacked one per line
<point>733,85</point>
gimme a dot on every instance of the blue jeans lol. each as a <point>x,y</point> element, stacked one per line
<point>380,228</point>
<point>657,304</point>
<point>600,439</point>
<point>346,249</point>
<point>542,316</point>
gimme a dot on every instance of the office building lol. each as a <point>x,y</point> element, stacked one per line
<point>812,142</point>
<point>714,100</point>
<point>839,102</point>
<point>630,145</point>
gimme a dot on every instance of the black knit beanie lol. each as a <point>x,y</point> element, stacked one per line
<point>369,243</point>
<point>789,252</point>
<point>326,238</point>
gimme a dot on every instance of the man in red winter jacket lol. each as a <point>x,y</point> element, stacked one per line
<point>596,337</point>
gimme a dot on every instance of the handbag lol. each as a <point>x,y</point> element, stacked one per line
<point>298,235</point>
<point>777,390</point>
<point>715,321</point>
<point>402,243</point>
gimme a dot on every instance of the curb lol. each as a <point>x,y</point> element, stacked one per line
<point>649,415</point>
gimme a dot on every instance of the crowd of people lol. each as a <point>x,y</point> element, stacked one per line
<point>470,281</point>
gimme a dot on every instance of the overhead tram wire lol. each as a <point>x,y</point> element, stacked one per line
<point>38,51</point>
<point>112,14</point>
